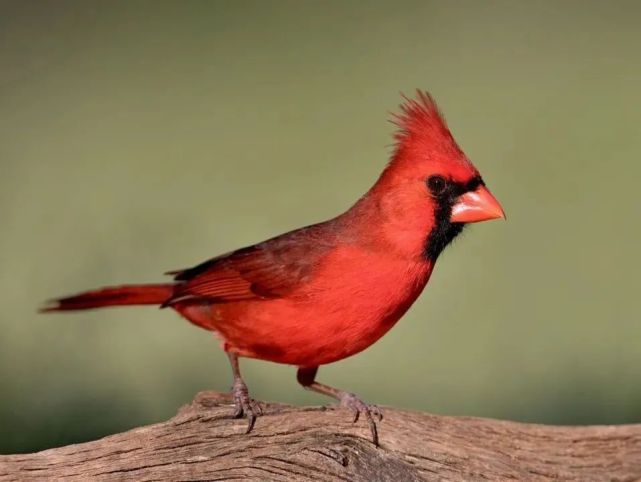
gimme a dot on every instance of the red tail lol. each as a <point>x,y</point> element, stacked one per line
<point>113,296</point>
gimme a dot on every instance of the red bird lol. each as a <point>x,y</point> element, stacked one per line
<point>324,292</point>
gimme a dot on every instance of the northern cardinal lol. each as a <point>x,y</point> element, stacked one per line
<point>324,292</point>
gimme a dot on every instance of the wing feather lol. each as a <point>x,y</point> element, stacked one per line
<point>272,269</point>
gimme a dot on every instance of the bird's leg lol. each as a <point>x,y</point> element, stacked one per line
<point>245,406</point>
<point>307,378</point>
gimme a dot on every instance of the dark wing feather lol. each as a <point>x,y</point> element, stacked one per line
<point>271,269</point>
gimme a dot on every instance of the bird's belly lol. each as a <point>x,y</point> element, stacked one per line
<point>331,320</point>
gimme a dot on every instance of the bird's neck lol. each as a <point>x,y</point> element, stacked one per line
<point>382,221</point>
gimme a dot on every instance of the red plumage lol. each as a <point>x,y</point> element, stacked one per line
<point>327,291</point>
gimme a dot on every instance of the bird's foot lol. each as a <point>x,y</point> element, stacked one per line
<point>372,413</point>
<point>245,406</point>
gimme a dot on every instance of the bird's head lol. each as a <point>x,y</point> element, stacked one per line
<point>430,186</point>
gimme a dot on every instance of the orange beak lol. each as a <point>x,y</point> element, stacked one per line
<point>475,206</point>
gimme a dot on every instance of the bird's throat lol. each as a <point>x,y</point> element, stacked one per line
<point>443,231</point>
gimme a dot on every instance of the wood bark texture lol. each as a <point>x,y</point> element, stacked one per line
<point>202,443</point>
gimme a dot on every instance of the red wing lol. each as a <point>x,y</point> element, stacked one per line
<point>271,269</point>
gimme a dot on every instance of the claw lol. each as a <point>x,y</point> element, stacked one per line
<point>245,406</point>
<point>357,406</point>
<point>251,419</point>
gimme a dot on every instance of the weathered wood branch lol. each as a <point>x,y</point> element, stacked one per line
<point>202,443</point>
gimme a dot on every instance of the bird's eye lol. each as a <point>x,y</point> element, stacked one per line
<point>436,184</point>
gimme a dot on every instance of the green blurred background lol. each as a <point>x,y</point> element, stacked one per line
<point>138,137</point>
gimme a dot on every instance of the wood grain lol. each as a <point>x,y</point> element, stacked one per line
<point>201,443</point>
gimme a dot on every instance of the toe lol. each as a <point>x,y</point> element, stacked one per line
<point>251,419</point>
<point>372,426</point>
<point>357,406</point>
<point>238,412</point>
<point>357,414</point>
<point>248,408</point>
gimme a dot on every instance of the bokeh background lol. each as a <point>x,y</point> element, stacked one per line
<point>138,137</point>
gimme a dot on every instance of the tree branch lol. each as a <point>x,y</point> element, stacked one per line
<point>313,444</point>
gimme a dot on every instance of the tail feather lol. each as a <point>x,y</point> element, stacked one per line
<point>151,294</point>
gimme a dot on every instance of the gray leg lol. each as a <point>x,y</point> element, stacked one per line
<point>307,378</point>
<point>245,406</point>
